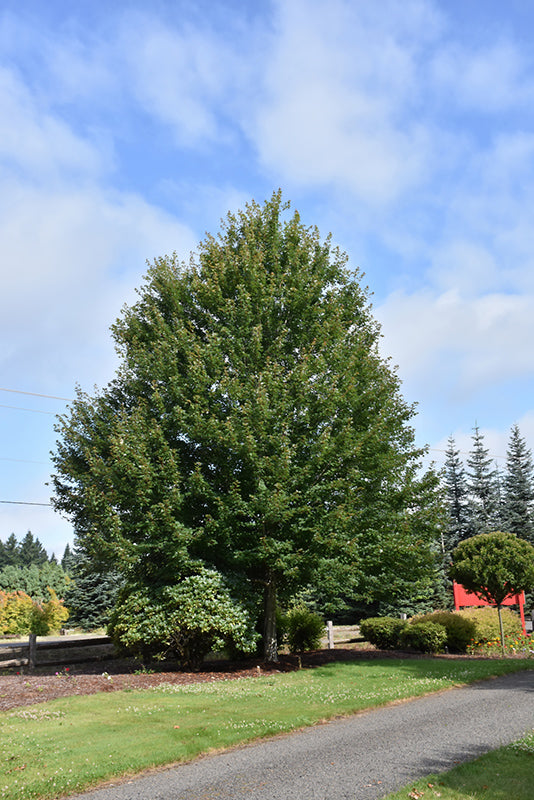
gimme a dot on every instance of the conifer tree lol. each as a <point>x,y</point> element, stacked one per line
<point>457,500</point>
<point>518,489</point>
<point>253,427</point>
<point>12,551</point>
<point>483,487</point>
<point>31,551</point>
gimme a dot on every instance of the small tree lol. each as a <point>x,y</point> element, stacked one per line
<point>492,566</point>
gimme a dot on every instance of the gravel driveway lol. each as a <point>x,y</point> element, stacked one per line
<point>363,757</point>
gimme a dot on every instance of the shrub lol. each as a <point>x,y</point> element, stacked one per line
<point>303,629</point>
<point>383,632</point>
<point>19,614</point>
<point>186,620</point>
<point>17,609</point>
<point>427,637</point>
<point>486,620</point>
<point>55,613</point>
<point>460,629</point>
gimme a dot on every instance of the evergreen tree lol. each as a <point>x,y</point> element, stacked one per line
<point>518,489</point>
<point>459,525</point>
<point>90,596</point>
<point>483,487</point>
<point>31,551</point>
<point>34,580</point>
<point>68,561</point>
<point>253,427</point>
<point>12,551</point>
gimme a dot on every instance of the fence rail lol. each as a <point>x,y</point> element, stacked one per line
<point>46,653</point>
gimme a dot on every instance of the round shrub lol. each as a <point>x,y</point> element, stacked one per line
<point>486,621</point>
<point>304,629</point>
<point>383,632</point>
<point>460,629</point>
<point>427,637</point>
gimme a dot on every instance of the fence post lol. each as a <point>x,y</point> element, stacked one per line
<point>32,651</point>
<point>330,633</point>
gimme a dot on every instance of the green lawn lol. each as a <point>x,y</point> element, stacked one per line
<point>72,743</point>
<point>503,774</point>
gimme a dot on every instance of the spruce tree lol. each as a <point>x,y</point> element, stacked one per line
<point>458,525</point>
<point>518,488</point>
<point>31,551</point>
<point>483,488</point>
<point>12,551</point>
<point>253,427</point>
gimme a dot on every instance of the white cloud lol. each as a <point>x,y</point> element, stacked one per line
<point>337,86</point>
<point>458,345</point>
<point>180,76</point>
<point>36,143</point>
<point>76,257</point>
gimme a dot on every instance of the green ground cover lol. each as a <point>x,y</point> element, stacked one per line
<point>503,774</point>
<point>72,743</point>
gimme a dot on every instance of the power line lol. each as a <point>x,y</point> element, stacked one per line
<point>37,394</point>
<point>23,460</point>
<point>33,410</point>
<point>24,503</point>
<point>461,452</point>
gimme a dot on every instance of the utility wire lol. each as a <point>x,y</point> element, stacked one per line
<point>22,460</point>
<point>36,394</point>
<point>33,410</point>
<point>24,503</point>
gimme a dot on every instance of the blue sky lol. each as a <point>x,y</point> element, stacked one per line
<point>129,129</point>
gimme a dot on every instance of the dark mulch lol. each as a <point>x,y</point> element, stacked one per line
<point>18,688</point>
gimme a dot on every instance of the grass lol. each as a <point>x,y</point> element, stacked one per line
<point>503,774</point>
<point>73,743</point>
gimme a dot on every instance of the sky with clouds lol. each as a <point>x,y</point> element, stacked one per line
<point>128,130</point>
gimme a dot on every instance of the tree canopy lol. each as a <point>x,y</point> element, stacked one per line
<point>253,428</point>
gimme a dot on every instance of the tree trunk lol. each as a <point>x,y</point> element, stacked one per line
<point>270,644</point>
<point>501,629</point>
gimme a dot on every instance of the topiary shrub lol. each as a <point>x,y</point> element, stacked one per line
<point>427,637</point>
<point>460,629</point>
<point>486,621</point>
<point>383,632</point>
<point>186,620</point>
<point>303,629</point>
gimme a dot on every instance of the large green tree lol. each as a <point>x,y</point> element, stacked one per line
<point>253,427</point>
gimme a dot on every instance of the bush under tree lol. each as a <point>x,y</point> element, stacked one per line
<point>185,621</point>
<point>302,629</point>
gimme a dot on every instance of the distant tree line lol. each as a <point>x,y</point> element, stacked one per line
<point>481,497</point>
<point>87,594</point>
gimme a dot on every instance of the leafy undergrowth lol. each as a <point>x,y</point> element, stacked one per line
<point>503,774</point>
<point>72,743</point>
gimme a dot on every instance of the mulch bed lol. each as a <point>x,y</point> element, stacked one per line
<point>18,688</point>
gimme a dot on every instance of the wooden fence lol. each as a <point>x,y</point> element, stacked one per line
<point>46,653</point>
